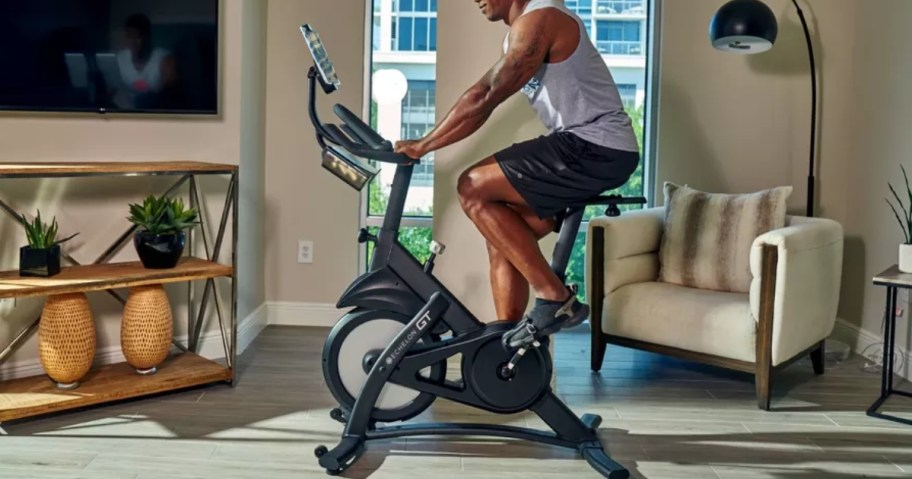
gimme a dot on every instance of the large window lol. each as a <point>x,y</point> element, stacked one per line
<point>404,53</point>
<point>404,42</point>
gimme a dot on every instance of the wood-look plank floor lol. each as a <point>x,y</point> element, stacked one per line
<point>662,419</point>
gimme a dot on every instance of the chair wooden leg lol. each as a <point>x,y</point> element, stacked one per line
<point>763,381</point>
<point>598,353</point>
<point>596,291</point>
<point>817,358</point>
<point>764,355</point>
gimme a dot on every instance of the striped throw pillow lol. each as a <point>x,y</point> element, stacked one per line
<point>708,236</point>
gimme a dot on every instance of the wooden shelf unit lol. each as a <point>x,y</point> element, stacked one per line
<point>38,395</point>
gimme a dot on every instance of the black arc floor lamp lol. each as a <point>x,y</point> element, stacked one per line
<point>749,27</point>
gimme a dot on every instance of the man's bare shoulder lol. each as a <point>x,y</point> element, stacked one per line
<point>549,26</point>
<point>550,23</point>
<point>539,21</point>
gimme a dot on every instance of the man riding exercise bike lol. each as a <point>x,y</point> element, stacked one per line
<point>514,196</point>
<point>386,359</point>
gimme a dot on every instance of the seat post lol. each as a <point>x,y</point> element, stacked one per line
<point>564,246</point>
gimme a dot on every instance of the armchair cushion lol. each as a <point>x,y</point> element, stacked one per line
<point>708,236</point>
<point>708,322</point>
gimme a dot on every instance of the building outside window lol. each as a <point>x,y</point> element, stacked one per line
<point>404,51</point>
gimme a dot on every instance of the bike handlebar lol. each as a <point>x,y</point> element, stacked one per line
<point>339,137</point>
<point>361,130</point>
<point>355,141</point>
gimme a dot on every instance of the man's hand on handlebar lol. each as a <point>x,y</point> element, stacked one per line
<point>412,148</point>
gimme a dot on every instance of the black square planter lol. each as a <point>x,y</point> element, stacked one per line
<point>42,263</point>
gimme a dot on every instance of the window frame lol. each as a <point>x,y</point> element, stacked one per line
<point>653,52</point>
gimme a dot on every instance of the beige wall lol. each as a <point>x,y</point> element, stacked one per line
<point>303,201</point>
<point>97,207</point>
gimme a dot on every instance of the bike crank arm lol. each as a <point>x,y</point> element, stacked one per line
<point>509,369</point>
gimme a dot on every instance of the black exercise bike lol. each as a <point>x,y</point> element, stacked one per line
<point>385,360</point>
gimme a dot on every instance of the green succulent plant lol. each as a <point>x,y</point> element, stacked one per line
<point>905,221</point>
<point>42,235</point>
<point>162,215</point>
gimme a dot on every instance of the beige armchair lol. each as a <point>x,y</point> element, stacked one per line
<point>788,313</point>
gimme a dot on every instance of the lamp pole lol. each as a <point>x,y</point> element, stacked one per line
<point>811,179</point>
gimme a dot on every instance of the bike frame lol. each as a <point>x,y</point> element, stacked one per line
<point>397,282</point>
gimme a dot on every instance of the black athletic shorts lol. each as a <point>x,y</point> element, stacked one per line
<point>562,170</point>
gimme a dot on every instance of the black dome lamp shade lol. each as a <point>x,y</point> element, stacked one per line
<point>744,26</point>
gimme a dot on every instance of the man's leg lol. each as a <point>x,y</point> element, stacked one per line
<point>486,196</point>
<point>510,288</point>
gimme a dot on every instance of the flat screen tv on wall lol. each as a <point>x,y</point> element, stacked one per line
<point>109,56</point>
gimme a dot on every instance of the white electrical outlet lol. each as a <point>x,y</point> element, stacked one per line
<point>305,251</point>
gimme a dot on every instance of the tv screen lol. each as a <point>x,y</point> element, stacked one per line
<point>131,56</point>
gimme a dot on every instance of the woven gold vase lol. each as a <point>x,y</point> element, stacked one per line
<point>147,328</point>
<point>66,339</point>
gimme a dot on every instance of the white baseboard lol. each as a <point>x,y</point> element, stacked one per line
<point>303,314</point>
<point>858,339</point>
<point>210,347</point>
<point>251,327</point>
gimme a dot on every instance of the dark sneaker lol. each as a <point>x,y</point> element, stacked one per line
<point>545,319</point>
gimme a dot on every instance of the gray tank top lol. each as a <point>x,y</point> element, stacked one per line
<point>579,95</point>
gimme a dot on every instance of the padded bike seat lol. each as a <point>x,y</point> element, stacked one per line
<point>615,200</point>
